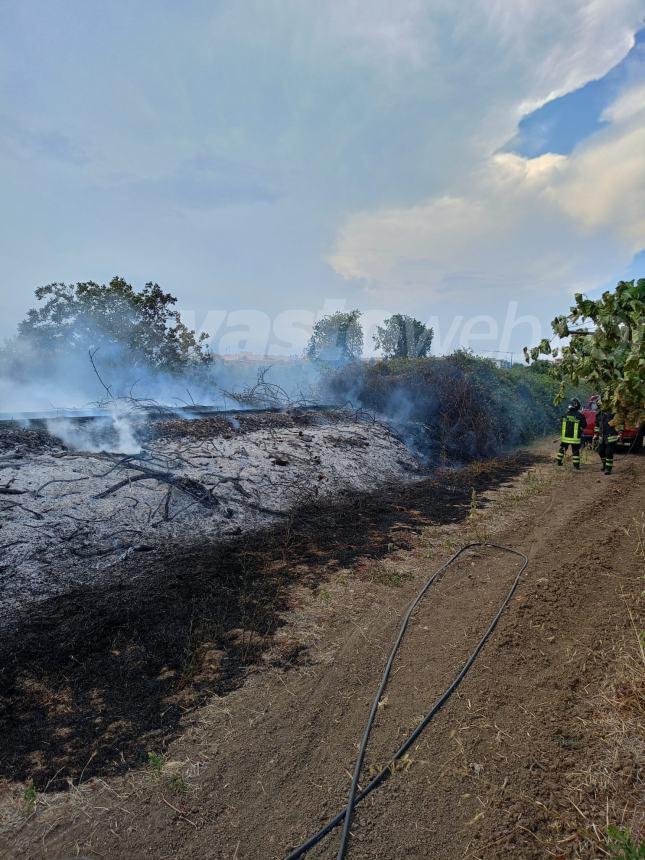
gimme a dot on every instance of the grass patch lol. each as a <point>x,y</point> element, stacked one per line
<point>176,784</point>
<point>534,482</point>
<point>156,761</point>
<point>623,847</point>
<point>608,795</point>
<point>30,795</point>
<point>382,573</point>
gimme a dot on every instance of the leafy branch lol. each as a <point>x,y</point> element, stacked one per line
<point>609,355</point>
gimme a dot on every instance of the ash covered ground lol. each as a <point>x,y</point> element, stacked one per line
<point>70,517</point>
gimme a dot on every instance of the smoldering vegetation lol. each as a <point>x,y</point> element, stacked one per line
<point>71,517</point>
<point>107,380</point>
<point>89,346</point>
<point>120,353</point>
<point>454,408</point>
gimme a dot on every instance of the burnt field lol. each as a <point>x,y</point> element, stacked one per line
<point>81,497</point>
<point>103,668</point>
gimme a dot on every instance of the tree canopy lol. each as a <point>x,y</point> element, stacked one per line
<point>142,327</point>
<point>609,354</point>
<point>402,336</point>
<point>337,338</point>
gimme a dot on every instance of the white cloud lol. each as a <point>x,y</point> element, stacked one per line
<point>565,43</point>
<point>630,105</point>
<point>553,223</point>
<point>341,106</point>
<point>603,189</point>
<point>386,32</point>
<point>555,46</point>
<point>500,223</point>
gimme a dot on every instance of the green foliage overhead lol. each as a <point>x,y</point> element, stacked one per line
<point>337,338</point>
<point>144,327</point>
<point>609,354</point>
<point>402,336</point>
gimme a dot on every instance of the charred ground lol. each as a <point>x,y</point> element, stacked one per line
<point>74,508</point>
<point>93,679</point>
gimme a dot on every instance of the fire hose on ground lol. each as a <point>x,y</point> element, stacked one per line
<point>356,795</point>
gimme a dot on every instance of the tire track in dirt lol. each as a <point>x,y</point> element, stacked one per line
<point>503,750</point>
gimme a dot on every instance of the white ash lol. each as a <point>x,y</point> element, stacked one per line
<point>69,518</point>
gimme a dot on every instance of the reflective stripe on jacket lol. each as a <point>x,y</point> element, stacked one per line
<point>572,425</point>
<point>604,429</point>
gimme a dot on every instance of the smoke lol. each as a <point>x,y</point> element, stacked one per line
<point>67,383</point>
<point>37,382</point>
<point>33,380</point>
<point>115,431</point>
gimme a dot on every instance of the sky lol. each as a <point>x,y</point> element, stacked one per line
<point>472,164</point>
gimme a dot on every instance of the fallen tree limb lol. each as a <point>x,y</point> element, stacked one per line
<point>186,485</point>
<point>36,514</point>
<point>58,481</point>
<point>124,483</point>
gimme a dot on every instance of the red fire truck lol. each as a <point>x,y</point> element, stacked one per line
<point>630,436</point>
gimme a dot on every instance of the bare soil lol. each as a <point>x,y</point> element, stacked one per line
<point>247,670</point>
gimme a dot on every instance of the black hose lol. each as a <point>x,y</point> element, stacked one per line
<point>637,441</point>
<point>356,796</point>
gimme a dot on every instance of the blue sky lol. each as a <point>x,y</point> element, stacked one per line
<point>562,123</point>
<point>284,156</point>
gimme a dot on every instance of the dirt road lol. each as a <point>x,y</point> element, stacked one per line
<point>536,752</point>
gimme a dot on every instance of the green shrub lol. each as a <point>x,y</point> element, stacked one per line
<point>462,405</point>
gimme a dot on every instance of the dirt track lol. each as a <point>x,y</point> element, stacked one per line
<point>501,770</point>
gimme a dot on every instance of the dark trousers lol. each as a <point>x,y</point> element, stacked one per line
<point>575,454</point>
<point>606,452</point>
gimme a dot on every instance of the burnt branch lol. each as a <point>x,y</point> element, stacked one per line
<point>58,481</point>
<point>120,484</point>
<point>108,388</point>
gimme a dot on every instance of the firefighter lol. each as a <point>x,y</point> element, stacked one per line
<point>605,436</point>
<point>571,433</point>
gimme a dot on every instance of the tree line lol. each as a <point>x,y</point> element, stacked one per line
<point>338,338</point>
<point>602,340</point>
<point>146,326</point>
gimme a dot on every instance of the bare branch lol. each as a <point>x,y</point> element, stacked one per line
<point>108,388</point>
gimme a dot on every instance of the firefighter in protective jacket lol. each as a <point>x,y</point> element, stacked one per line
<point>571,433</point>
<point>607,437</point>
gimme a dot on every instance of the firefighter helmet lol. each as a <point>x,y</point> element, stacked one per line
<point>575,404</point>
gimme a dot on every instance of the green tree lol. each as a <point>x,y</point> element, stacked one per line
<point>402,336</point>
<point>608,354</point>
<point>337,338</point>
<point>143,327</point>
